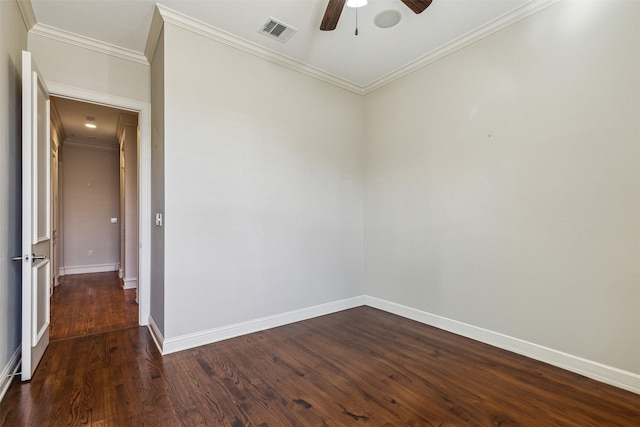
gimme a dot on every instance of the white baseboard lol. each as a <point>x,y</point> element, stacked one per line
<point>155,333</point>
<point>7,373</point>
<point>594,370</point>
<point>85,269</point>
<point>129,283</point>
<point>171,345</point>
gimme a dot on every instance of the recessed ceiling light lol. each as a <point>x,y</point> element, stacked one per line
<point>90,120</point>
<point>387,19</point>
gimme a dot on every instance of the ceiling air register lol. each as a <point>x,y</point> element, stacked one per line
<point>277,30</point>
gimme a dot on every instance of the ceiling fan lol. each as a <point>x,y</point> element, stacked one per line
<point>334,9</point>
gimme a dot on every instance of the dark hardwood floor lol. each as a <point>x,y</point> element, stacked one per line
<point>86,304</point>
<point>357,367</point>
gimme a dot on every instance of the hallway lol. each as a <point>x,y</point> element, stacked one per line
<point>86,304</point>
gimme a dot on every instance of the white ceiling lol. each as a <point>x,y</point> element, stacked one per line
<point>359,60</point>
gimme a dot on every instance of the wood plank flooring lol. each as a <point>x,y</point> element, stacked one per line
<point>86,304</point>
<point>356,367</point>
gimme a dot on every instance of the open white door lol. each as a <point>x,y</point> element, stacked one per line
<point>36,222</point>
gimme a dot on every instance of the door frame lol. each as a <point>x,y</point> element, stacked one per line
<point>144,179</point>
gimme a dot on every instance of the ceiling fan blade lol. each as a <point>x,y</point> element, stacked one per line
<point>418,6</point>
<point>332,14</point>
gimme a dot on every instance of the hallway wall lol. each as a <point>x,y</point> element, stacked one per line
<point>91,197</point>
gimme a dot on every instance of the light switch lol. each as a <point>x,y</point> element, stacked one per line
<point>114,220</point>
<point>159,219</point>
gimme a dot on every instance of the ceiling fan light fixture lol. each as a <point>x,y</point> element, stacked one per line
<point>356,3</point>
<point>387,19</point>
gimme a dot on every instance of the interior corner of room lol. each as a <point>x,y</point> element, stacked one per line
<point>491,191</point>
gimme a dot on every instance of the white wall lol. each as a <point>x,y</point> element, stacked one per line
<point>91,197</point>
<point>86,69</point>
<point>503,184</point>
<point>14,39</point>
<point>263,187</point>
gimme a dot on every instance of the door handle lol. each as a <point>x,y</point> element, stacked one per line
<point>33,257</point>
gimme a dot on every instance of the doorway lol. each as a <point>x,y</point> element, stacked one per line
<point>95,217</point>
<point>143,110</point>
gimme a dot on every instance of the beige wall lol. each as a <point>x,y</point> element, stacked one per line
<point>503,184</point>
<point>129,205</point>
<point>91,197</point>
<point>500,190</point>
<point>157,183</point>
<point>13,39</point>
<point>82,68</point>
<point>263,187</point>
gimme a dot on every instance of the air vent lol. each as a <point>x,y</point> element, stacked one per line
<point>277,30</point>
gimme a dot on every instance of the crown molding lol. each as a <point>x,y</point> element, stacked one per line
<point>478,34</point>
<point>206,30</point>
<point>28,14</point>
<point>164,14</point>
<point>154,34</point>
<point>88,43</point>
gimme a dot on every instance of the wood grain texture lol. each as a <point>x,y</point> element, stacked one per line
<point>332,15</point>
<point>86,304</point>
<point>356,367</point>
<point>417,6</point>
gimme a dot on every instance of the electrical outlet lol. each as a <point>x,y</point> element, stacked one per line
<point>90,252</point>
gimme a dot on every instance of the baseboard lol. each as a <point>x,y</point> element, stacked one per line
<point>155,334</point>
<point>129,283</point>
<point>171,345</point>
<point>8,371</point>
<point>594,370</point>
<point>85,269</point>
